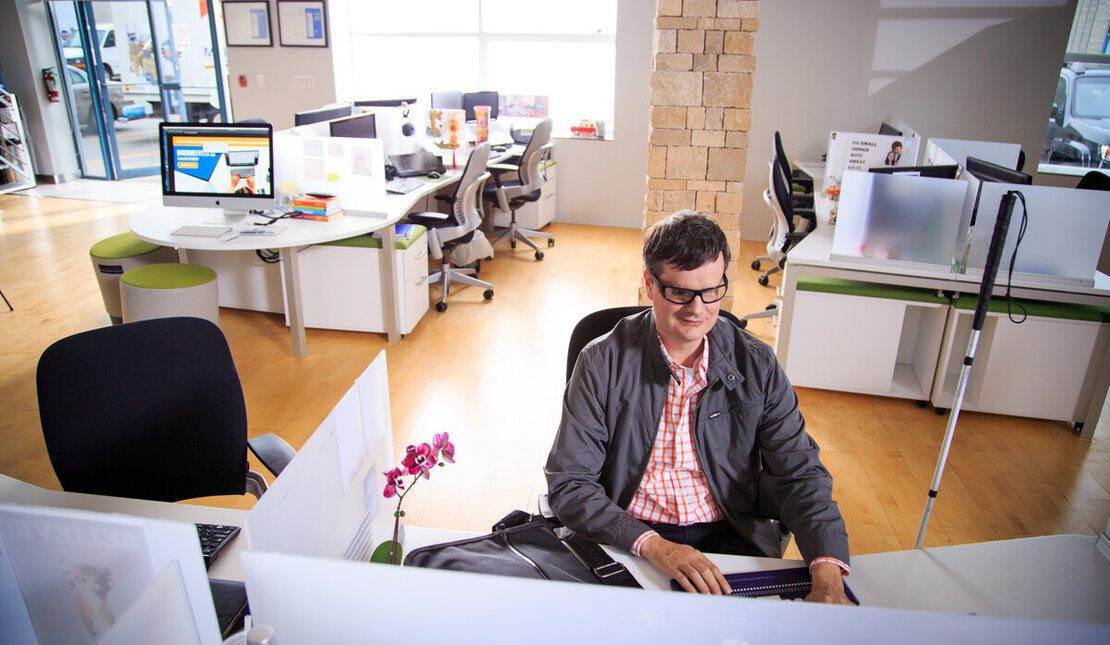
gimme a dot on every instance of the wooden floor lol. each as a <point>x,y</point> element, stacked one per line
<point>491,374</point>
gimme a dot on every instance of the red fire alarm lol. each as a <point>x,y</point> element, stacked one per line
<point>242,80</point>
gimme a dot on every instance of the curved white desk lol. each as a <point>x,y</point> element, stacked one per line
<point>377,213</point>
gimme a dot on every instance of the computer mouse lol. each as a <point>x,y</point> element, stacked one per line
<point>433,175</point>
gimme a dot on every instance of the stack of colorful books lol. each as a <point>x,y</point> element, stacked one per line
<point>316,207</point>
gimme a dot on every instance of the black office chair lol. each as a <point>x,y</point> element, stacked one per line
<point>150,410</point>
<point>1094,180</point>
<point>511,192</point>
<point>602,321</point>
<point>446,232</point>
<point>797,177</point>
<point>790,224</point>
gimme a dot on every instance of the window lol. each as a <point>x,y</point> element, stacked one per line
<point>1077,139</point>
<point>563,50</point>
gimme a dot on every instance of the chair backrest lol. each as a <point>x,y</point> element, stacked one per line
<point>465,200</point>
<point>783,161</point>
<point>778,241</point>
<point>149,410</point>
<point>603,320</point>
<point>1094,180</point>
<point>531,176</point>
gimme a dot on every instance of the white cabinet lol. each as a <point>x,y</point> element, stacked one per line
<point>534,215</point>
<point>864,344</point>
<point>341,286</point>
<point>1044,368</point>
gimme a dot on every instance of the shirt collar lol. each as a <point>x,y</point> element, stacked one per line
<point>677,369</point>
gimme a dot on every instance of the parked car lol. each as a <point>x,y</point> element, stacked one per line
<point>82,98</point>
<point>1079,128</point>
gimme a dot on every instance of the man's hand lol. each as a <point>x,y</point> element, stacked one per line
<point>685,564</point>
<point>827,584</point>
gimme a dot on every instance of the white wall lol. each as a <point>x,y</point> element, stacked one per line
<point>604,182</point>
<point>25,49</point>
<point>963,69</point>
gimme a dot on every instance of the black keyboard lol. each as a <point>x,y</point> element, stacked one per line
<point>213,538</point>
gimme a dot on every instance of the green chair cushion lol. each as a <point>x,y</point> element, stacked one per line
<point>1041,308</point>
<point>868,289</point>
<point>168,276</point>
<point>124,245</point>
<point>367,241</point>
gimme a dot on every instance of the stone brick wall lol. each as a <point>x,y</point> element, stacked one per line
<point>701,88</point>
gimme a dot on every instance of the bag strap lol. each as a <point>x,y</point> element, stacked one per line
<point>607,570</point>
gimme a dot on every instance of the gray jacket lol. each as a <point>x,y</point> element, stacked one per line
<point>749,436</point>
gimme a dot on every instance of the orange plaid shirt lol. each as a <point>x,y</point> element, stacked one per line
<point>674,489</point>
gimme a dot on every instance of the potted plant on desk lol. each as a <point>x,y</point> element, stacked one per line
<point>417,464</point>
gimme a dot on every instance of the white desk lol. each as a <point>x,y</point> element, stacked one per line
<point>1062,577</point>
<point>812,257</point>
<point>158,224</point>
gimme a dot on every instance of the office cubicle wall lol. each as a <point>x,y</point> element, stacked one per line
<point>353,168</point>
<point>899,218</point>
<point>1063,238</point>
<point>958,150</point>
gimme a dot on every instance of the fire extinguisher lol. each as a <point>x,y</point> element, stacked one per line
<point>50,80</point>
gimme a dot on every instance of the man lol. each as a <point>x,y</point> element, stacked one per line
<point>895,154</point>
<point>681,435</point>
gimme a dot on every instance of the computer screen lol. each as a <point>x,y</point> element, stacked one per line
<point>987,171</point>
<point>942,172</point>
<point>360,126</point>
<point>886,128</point>
<point>450,100</point>
<point>470,99</point>
<point>322,114</point>
<point>217,165</point>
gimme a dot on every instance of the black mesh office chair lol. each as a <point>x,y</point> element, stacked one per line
<point>791,223</point>
<point>516,185</point>
<point>447,231</point>
<point>797,177</point>
<point>150,410</point>
<point>1094,180</point>
<point>602,321</point>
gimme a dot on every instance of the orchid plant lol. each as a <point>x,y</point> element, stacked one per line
<point>417,464</point>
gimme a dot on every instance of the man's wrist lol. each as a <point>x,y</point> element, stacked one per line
<point>639,543</point>
<point>844,568</point>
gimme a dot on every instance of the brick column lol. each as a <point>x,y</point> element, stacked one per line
<point>701,89</point>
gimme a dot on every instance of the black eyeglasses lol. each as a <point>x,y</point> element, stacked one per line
<point>680,296</point>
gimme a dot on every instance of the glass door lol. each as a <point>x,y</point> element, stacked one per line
<point>131,64</point>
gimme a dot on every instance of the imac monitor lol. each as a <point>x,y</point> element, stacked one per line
<point>217,165</point>
<point>940,172</point>
<point>360,126</point>
<point>322,114</point>
<point>470,99</point>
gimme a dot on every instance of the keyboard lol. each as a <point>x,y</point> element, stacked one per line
<point>203,231</point>
<point>402,186</point>
<point>213,538</point>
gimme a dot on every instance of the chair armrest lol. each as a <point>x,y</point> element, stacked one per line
<point>502,167</point>
<point>428,217</point>
<point>274,453</point>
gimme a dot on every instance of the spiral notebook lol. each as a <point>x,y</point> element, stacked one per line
<point>787,584</point>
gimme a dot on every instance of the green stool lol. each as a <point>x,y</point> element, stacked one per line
<point>169,290</point>
<point>113,256</point>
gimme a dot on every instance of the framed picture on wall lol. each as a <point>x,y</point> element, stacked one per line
<point>247,24</point>
<point>302,23</point>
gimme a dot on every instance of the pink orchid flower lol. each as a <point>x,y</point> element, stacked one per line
<point>393,482</point>
<point>419,459</point>
<point>441,445</point>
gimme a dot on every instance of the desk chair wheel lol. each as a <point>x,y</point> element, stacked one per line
<point>1079,427</point>
<point>551,241</point>
<point>512,244</point>
<point>441,307</point>
<point>941,411</point>
<point>771,307</point>
<point>539,255</point>
<point>922,404</point>
<point>743,324</point>
<point>755,265</point>
<point>763,281</point>
<point>488,294</point>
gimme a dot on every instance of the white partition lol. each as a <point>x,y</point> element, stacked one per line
<point>958,150</point>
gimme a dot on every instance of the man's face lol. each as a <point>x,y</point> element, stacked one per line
<point>682,327</point>
<point>897,150</point>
